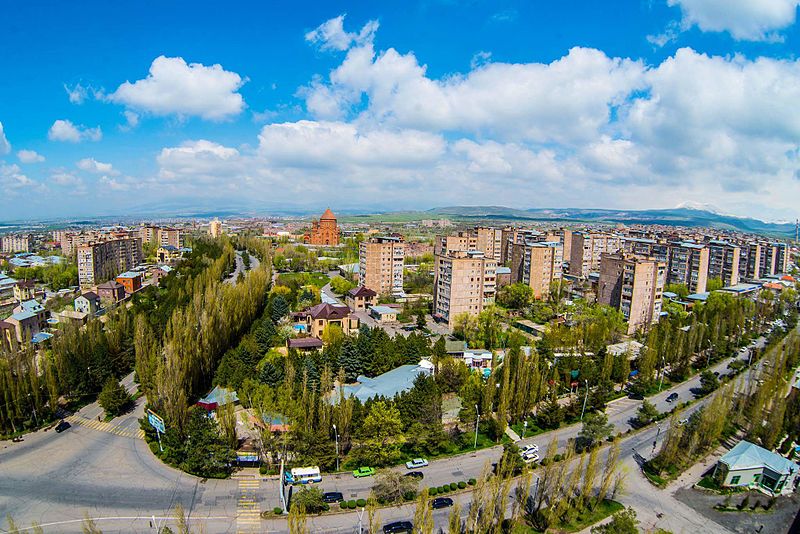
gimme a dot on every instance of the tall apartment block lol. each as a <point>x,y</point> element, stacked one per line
<point>381,261</point>
<point>586,250</point>
<point>536,265</point>
<point>489,241</point>
<point>215,228</point>
<point>650,248</point>
<point>101,261</point>
<point>688,264</point>
<point>464,282</point>
<point>170,237</point>
<point>15,243</point>
<point>633,285</point>
<point>723,262</point>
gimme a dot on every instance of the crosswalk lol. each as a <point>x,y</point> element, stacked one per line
<point>248,509</point>
<point>621,405</point>
<point>103,426</point>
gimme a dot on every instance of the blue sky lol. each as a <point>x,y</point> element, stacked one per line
<point>110,109</point>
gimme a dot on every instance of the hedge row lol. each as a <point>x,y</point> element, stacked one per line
<point>453,486</point>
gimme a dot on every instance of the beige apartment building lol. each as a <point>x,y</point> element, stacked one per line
<point>161,236</point>
<point>15,243</point>
<point>723,262</point>
<point>381,261</point>
<point>103,260</point>
<point>536,265</point>
<point>586,249</point>
<point>688,264</point>
<point>464,282</point>
<point>215,228</point>
<point>633,285</point>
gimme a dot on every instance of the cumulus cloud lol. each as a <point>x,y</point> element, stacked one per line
<point>64,178</point>
<point>12,177</point>
<point>173,87</point>
<point>743,19</point>
<point>330,35</point>
<point>96,167</point>
<point>29,156</point>
<point>200,160</point>
<point>5,146</point>
<point>77,94</point>
<point>65,130</point>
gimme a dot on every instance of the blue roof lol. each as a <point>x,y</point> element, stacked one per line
<point>23,315</point>
<point>219,395</point>
<point>386,385</point>
<point>41,336</point>
<point>698,296</point>
<point>31,306</point>
<point>129,274</point>
<point>503,270</point>
<point>383,310</point>
<point>746,455</point>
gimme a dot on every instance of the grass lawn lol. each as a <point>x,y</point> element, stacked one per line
<point>315,279</point>
<point>531,431</point>
<point>583,520</point>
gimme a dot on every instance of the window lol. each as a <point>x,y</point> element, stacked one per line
<point>735,480</point>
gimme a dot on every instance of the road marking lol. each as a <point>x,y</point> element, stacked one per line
<point>248,509</point>
<point>103,426</point>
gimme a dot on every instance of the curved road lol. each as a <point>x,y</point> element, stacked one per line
<point>107,472</point>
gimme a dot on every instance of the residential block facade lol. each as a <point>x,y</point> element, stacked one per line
<point>633,285</point>
<point>381,261</point>
<point>464,282</point>
<point>101,261</point>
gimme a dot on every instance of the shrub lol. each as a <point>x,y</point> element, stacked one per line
<point>343,505</point>
<point>443,489</point>
<point>351,504</point>
<point>277,510</point>
<point>433,491</point>
<point>154,448</point>
<point>361,503</point>
<point>409,495</point>
<point>462,485</point>
<point>557,458</point>
<point>326,507</point>
<point>453,486</point>
<point>262,470</point>
<point>545,461</point>
<point>472,482</point>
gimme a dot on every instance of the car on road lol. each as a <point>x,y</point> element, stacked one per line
<point>528,448</point>
<point>441,502</point>
<point>416,463</point>
<point>364,472</point>
<point>415,474</point>
<point>331,497</point>
<point>672,397</point>
<point>62,426</point>
<point>683,421</point>
<point>530,457</point>
<point>635,396</point>
<point>398,526</point>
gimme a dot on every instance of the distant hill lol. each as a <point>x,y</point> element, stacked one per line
<point>683,216</point>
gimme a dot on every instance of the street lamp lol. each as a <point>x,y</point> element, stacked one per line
<point>477,418</point>
<point>524,428</point>
<point>585,397</point>
<point>336,437</point>
<point>663,364</point>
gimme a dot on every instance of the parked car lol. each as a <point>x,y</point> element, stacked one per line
<point>530,457</point>
<point>635,396</point>
<point>62,426</point>
<point>683,421</point>
<point>415,474</point>
<point>332,497</point>
<point>672,397</point>
<point>441,502</point>
<point>364,472</point>
<point>528,448</point>
<point>398,526</point>
<point>416,463</point>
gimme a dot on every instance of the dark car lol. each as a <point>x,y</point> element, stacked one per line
<point>62,426</point>
<point>398,526</point>
<point>672,397</point>
<point>441,502</point>
<point>332,497</point>
<point>635,396</point>
<point>415,474</point>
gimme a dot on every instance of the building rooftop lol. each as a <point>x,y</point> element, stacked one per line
<point>41,336</point>
<point>90,295</point>
<point>503,270</point>
<point>23,316</point>
<point>328,216</point>
<point>383,310</point>
<point>746,455</point>
<point>129,274</point>
<point>388,384</point>
<point>220,396</point>
<point>701,297</point>
<point>328,311</point>
<point>304,343</point>
<point>111,284</point>
<point>362,291</point>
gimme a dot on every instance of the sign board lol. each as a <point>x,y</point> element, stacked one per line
<point>155,421</point>
<point>247,456</point>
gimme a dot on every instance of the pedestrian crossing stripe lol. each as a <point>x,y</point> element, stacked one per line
<point>103,426</point>
<point>248,510</point>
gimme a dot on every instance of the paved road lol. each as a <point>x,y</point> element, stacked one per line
<point>239,263</point>
<point>54,479</point>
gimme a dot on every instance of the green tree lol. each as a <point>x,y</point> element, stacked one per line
<point>646,413</point>
<point>113,397</point>
<point>390,486</point>
<point>280,308</point>
<point>623,522</point>
<point>421,322</point>
<point>382,435</point>
<point>341,285</point>
<point>595,428</point>
<point>708,382</point>
<point>515,296</point>
<point>714,284</point>
<point>309,499</point>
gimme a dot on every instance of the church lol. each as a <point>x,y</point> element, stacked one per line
<point>325,231</point>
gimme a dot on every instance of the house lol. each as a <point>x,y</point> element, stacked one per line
<point>111,291</point>
<point>319,317</point>
<point>73,316</point>
<point>360,298</point>
<point>34,307</point>
<point>160,272</point>
<point>304,343</point>
<point>219,396</point>
<point>24,290</point>
<point>131,281</point>
<point>388,384</point>
<point>87,303</point>
<point>168,254</point>
<point>383,314</point>
<point>26,325</point>
<point>478,359</point>
<point>754,467</point>
<point>631,347</point>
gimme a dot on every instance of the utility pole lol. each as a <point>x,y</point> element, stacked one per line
<point>336,437</point>
<point>585,398</point>
<point>477,418</point>
<point>663,364</point>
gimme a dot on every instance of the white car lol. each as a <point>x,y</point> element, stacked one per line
<point>416,463</point>
<point>529,448</point>
<point>530,457</point>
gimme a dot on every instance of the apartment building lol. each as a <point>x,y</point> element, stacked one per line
<point>15,243</point>
<point>489,241</point>
<point>586,249</point>
<point>101,261</point>
<point>723,262</point>
<point>170,237</point>
<point>381,261</point>
<point>650,248</point>
<point>464,282</point>
<point>750,261</point>
<point>688,264</point>
<point>536,265</point>
<point>633,285</point>
<point>215,228</point>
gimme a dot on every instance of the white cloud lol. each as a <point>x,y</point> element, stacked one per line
<point>5,146</point>
<point>29,156</point>
<point>12,177</point>
<point>96,167</point>
<point>65,130</point>
<point>77,94</point>
<point>752,20</point>
<point>114,184</point>
<point>64,178</point>
<point>199,160</point>
<point>131,119</point>
<point>174,87</point>
<point>330,35</point>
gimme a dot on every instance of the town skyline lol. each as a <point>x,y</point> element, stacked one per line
<point>430,106</point>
